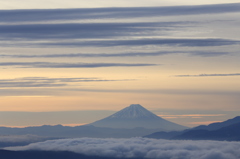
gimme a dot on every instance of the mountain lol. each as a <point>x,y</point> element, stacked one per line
<point>215,126</point>
<point>5,154</point>
<point>133,121</point>
<point>228,130</point>
<point>137,116</point>
<point>59,131</point>
<point>164,135</point>
<point>228,133</point>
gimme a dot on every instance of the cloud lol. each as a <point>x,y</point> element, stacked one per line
<point>48,82</point>
<point>83,30</point>
<point>73,91</point>
<point>190,115</point>
<point>70,65</point>
<point>209,75</point>
<point>141,148</point>
<point>50,27</point>
<point>207,53</point>
<point>207,42</point>
<point>123,54</point>
<point>109,13</point>
<point>204,122</point>
<point>21,140</point>
<point>73,55</point>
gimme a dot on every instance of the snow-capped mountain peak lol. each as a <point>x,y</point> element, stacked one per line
<point>134,116</point>
<point>133,111</point>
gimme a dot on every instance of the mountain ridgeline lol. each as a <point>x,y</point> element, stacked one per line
<point>132,121</point>
<point>136,116</point>
<point>228,130</point>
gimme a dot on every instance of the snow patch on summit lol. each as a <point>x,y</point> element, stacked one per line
<point>134,111</point>
<point>136,116</point>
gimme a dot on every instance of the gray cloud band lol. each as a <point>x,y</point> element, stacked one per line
<point>123,54</point>
<point>70,65</point>
<point>48,82</point>
<point>141,148</point>
<point>108,13</point>
<point>147,41</point>
<point>209,75</point>
<point>207,42</point>
<point>82,30</point>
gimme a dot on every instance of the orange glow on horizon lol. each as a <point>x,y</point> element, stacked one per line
<point>204,122</point>
<point>70,125</point>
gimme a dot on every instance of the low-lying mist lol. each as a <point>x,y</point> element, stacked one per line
<point>140,148</point>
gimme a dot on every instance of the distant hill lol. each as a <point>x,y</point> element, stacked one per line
<point>5,154</point>
<point>22,140</point>
<point>137,116</point>
<point>132,121</point>
<point>229,133</point>
<point>78,131</point>
<point>228,130</point>
<point>215,126</point>
<point>164,134</point>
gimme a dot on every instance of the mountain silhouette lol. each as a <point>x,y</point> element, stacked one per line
<point>228,130</point>
<point>132,121</point>
<point>5,154</point>
<point>218,125</point>
<point>135,116</point>
<point>228,133</point>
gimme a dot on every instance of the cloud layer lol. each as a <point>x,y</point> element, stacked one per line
<point>82,30</point>
<point>123,54</point>
<point>68,26</point>
<point>70,65</point>
<point>181,42</point>
<point>47,82</point>
<point>108,13</point>
<point>142,148</point>
<point>210,75</point>
<point>21,140</point>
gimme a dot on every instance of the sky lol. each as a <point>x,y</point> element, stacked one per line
<point>77,61</point>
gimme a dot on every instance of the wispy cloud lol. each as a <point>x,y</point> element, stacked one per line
<point>21,140</point>
<point>123,54</point>
<point>83,30</point>
<point>70,65</point>
<point>108,13</point>
<point>204,122</point>
<point>207,42</point>
<point>207,53</point>
<point>141,148</point>
<point>25,33</point>
<point>73,91</point>
<point>210,75</point>
<point>190,115</point>
<point>73,55</point>
<point>48,82</point>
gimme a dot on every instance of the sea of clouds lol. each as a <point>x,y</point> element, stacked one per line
<point>141,148</point>
<point>21,140</point>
